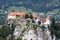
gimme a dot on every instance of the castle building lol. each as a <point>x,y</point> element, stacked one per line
<point>47,23</point>
<point>13,15</point>
<point>29,34</point>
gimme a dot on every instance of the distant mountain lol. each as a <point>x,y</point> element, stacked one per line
<point>35,5</point>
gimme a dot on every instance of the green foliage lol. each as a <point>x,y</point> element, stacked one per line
<point>43,28</point>
<point>52,27</point>
<point>4,32</point>
<point>20,9</point>
<point>35,26</point>
<point>19,39</point>
<point>26,27</point>
<point>1,38</point>
<point>17,8</point>
<point>55,28</point>
<point>57,33</point>
<point>53,22</point>
<point>23,30</point>
<point>26,16</point>
<point>31,16</point>
<point>28,23</point>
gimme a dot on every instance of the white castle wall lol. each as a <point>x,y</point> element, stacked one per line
<point>11,17</point>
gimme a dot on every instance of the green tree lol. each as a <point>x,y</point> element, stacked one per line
<point>26,16</point>
<point>57,32</point>
<point>52,27</point>
<point>31,16</point>
<point>4,32</point>
<point>19,39</point>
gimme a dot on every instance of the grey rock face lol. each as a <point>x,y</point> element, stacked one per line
<point>30,33</point>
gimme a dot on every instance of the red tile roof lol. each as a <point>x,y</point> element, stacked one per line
<point>21,14</point>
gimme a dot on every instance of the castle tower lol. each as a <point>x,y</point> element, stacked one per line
<point>47,23</point>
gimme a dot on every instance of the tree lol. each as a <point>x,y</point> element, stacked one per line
<point>35,27</point>
<point>4,32</point>
<point>57,32</point>
<point>19,39</point>
<point>26,16</point>
<point>53,22</point>
<point>52,27</point>
<point>31,16</point>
